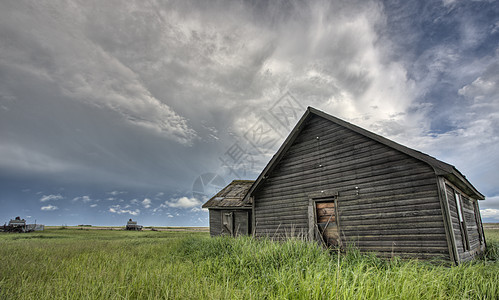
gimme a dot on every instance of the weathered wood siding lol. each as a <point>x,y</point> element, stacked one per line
<point>472,228</point>
<point>215,222</point>
<point>394,210</point>
<point>241,220</point>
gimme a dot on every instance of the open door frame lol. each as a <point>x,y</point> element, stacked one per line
<point>313,230</point>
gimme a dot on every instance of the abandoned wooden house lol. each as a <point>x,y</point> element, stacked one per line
<point>342,185</point>
<point>228,214</point>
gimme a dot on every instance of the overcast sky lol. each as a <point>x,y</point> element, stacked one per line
<point>112,110</point>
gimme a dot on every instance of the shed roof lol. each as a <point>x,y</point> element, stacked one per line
<point>441,168</point>
<point>231,195</point>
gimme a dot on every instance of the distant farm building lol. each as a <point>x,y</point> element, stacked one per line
<point>341,185</point>
<point>228,214</point>
<point>132,225</point>
<point>19,225</point>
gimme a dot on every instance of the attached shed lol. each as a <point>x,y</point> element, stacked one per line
<point>342,185</point>
<point>229,215</point>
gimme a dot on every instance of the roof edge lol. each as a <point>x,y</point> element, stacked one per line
<point>440,168</point>
<point>213,202</point>
<point>286,144</point>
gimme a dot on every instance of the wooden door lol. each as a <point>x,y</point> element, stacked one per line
<point>227,223</point>
<point>327,223</point>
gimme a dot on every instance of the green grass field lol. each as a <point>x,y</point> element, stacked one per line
<point>109,264</point>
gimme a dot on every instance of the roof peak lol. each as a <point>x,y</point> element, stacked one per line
<point>440,167</point>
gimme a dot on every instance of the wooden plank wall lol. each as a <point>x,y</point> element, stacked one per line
<point>395,210</point>
<point>215,222</point>
<point>242,221</point>
<point>476,247</point>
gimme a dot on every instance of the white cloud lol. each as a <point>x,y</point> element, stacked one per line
<point>93,205</point>
<point>146,203</point>
<point>159,208</point>
<point>117,209</point>
<point>46,198</point>
<point>116,193</point>
<point>84,199</point>
<point>490,213</point>
<point>448,2</point>
<point>183,202</point>
<point>49,207</point>
<point>482,93</point>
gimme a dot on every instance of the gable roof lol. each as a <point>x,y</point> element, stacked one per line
<point>231,195</point>
<point>441,168</point>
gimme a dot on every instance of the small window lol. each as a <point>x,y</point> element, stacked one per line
<point>459,209</point>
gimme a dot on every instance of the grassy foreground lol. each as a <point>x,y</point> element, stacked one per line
<point>105,264</point>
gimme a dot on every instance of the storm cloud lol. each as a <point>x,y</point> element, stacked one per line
<point>104,102</point>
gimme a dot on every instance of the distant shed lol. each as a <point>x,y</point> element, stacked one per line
<point>228,214</point>
<point>343,185</point>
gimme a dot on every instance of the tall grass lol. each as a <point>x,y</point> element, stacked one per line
<point>86,264</point>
